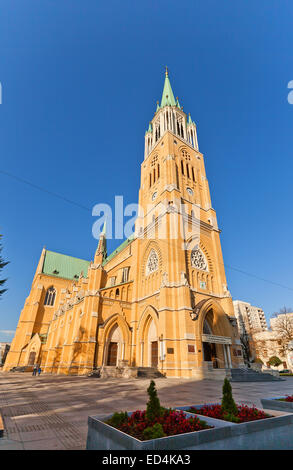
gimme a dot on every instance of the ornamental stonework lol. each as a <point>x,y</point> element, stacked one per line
<point>152,263</point>
<point>198,260</point>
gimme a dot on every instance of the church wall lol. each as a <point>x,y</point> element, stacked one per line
<point>155,307</point>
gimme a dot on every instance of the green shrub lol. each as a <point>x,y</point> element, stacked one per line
<point>154,432</point>
<point>232,418</point>
<point>274,361</point>
<point>153,410</point>
<point>228,404</point>
<point>117,419</point>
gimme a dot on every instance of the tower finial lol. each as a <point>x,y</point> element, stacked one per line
<point>166,71</point>
<point>167,96</point>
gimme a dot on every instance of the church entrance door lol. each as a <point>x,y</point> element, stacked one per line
<point>210,354</point>
<point>154,353</point>
<point>112,354</point>
<point>32,358</point>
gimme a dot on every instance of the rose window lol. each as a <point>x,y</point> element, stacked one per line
<point>198,260</point>
<point>152,263</point>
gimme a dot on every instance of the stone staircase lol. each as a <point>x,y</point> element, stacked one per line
<point>148,373</point>
<point>249,375</point>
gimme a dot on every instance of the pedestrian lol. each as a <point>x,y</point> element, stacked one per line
<point>35,370</point>
<point>39,370</point>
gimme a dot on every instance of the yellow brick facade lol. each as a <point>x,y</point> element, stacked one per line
<point>172,310</point>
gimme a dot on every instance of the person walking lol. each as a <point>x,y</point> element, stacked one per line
<point>35,370</point>
<point>39,370</point>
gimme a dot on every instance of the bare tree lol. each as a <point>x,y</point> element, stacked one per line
<point>283,311</point>
<point>244,339</point>
<point>259,346</point>
<point>283,326</point>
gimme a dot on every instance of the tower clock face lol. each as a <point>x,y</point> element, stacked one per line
<point>154,196</point>
<point>189,190</point>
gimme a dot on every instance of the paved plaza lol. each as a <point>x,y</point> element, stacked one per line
<point>50,412</point>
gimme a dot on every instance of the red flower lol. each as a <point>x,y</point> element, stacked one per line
<point>245,413</point>
<point>173,422</point>
<point>289,398</point>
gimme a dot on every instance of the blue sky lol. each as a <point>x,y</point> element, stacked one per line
<point>80,82</point>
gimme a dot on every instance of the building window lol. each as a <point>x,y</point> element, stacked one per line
<point>50,296</point>
<point>189,190</point>
<point>112,281</point>
<point>193,179</point>
<point>198,260</point>
<point>182,168</point>
<point>152,263</point>
<point>125,274</point>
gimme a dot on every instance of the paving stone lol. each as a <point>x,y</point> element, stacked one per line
<point>51,412</point>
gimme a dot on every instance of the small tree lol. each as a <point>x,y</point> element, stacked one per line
<point>274,361</point>
<point>153,405</point>
<point>282,325</point>
<point>228,404</point>
<point>2,265</point>
<point>282,311</point>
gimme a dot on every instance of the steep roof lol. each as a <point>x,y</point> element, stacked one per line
<point>167,96</point>
<point>67,267</point>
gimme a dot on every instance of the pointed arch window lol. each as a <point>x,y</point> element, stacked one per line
<point>198,259</point>
<point>50,296</point>
<point>182,168</point>
<point>152,262</point>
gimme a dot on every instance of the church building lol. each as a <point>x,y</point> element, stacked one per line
<point>160,301</point>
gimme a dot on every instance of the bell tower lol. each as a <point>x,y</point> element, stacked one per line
<point>169,116</point>
<point>179,246</point>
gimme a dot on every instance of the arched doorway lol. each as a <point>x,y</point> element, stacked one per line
<point>216,346</point>
<point>114,347</point>
<point>31,358</point>
<point>148,344</point>
<point>209,349</point>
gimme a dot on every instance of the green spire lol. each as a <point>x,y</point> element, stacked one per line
<point>149,129</point>
<point>189,119</point>
<point>158,107</point>
<point>167,96</point>
<point>177,103</point>
<point>102,246</point>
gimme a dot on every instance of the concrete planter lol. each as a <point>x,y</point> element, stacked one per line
<point>274,433</point>
<point>104,437</point>
<point>275,404</point>
<point>270,433</point>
